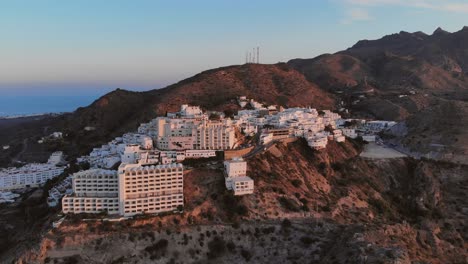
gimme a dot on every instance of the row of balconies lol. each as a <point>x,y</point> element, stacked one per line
<point>161,177</point>
<point>160,196</point>
<point>153,189</point>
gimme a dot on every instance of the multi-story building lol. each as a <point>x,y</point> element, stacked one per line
<point>94,191</point>
<point>236,178</point>
<point>292,122</point>
<point>150,189</point>
<point>188,129</point>
<point>30,175</point>
<point>133,189</point>
<point>235,167</point>
<point>242,185</point>
<point>318,141</point>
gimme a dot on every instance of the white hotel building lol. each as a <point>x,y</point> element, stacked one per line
<point>133,189</point>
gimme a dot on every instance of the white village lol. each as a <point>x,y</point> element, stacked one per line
<point>143,172</point>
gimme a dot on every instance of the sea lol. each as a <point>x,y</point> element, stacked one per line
<point>25,105</point>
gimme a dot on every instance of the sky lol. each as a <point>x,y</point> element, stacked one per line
<point>92,47</point>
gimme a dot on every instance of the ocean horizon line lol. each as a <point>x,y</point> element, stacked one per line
<point>35,105</point>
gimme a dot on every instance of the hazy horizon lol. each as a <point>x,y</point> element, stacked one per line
<point>90,48</point>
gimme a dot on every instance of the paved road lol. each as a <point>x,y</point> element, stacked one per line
<point>259,149</point>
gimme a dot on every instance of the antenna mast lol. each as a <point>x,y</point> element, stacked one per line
<point>253,55</point>
<point>258,55</point>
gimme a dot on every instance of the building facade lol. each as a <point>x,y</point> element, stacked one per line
<point>133,189</point>
<point>94,191</point>
<point>194,133</point>
<point>150,189</point>
<point>30,175</point>
<point>236,178</point>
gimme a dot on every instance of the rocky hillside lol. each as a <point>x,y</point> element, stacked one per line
<point>421,66</point>
<point>343,209</point>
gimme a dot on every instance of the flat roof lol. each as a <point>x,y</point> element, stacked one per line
<point>241,178</point>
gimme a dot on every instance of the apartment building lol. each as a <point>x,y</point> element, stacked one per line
<point>236,178</point>
<point>94,191</point>
<point>150,189</point>
<point>31,175</point>
<point>318,142</point>
<point>133,189</point>
<point>193,132</point>
<point>242,185</point>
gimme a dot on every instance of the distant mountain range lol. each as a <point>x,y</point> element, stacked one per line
<point>413,77</point>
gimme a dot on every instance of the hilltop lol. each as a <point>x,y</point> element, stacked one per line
<point>120,111</point>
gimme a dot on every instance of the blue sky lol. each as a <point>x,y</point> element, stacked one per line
<point>91,47</point>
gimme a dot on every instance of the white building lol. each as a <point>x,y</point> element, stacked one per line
<point>338,135</point>
<point>94,191</point>
<point>108,155</point>
<point>242,100</point>
<point>236,178</point>
<point>188,129</point>
<point>8,197</point>
<point>378,125</point>
<point>30,175</point>
<point>134,189</point>
<point>318,140</point>
<point>266,138</point>
<point>187,111</point>
<point>242,185</point>
<point>292,122</point>
<point>150,189</point>
<point>56,158</point>
<point>235,167</point>
<point>349,132</point>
